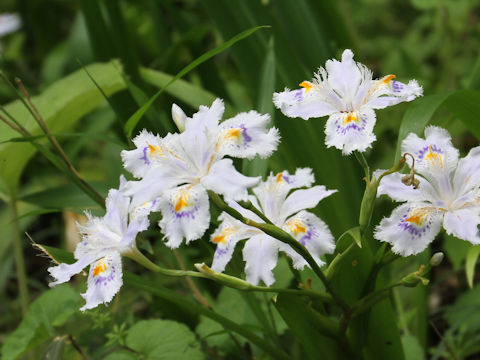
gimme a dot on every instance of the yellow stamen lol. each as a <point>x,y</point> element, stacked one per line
<point>296,227</point>
<point>388,78</point>
<point>221,238</point>
<point>307,85</point>
<point>279,177</point>
<point>233,134</point>
<point>418,217</point>
<point>154,149</point>
<point>99,268</point>
<point>434,157</point>
<point>351,116</point>
<point>182,200</point>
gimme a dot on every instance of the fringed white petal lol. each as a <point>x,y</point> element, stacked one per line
<point>393,186</point>
<point>246,135</point>
<point>63,272</point>
<point>224,179</point>
<point>304,199</point>
<point>147,154</point>
<point>104,281</point>
<point>305,103</point>
<point>351,131</point>
<point>260,254</point>
<point>311,232</point>
<point>463,224</point>
<point>467,175</point>
<point>186,214</point>
<point>410,228</point>
<point>226,236</point>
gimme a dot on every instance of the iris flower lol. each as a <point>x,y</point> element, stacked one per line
<point>346,92</point>
<point>447,195</point>
<point>287,211</point>
<point>180,168</point>
<point>104,241</point>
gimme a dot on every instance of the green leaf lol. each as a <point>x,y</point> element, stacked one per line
<point>417,116</point>
<point>180,89</point>
<point>135,118</point>
<point>51,310</point>
<point>294,311</point>
<point>163,339</point>
<point>412,348</point>
<point>470,262</point>
<point>62,105</point>
<point>356,235</point>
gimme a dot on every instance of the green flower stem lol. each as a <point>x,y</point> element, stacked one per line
<point>206,273</point>
<point>363,162</point>
<point>248,205</point>
<point>284,237</point>
<point>19,259</point>
<point>335,264</point>
<point>171,296</point>
<point>371,299</point>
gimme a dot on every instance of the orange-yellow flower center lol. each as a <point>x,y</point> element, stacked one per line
<point>307,85</point>
<point>100,267</point>
<point>388,78</point>
<point>417,217</point>
<point>181,200</point>
<point>434,157</point>
<point>279,177</point>
<point>296,227</point>
<point>221,238</point>
<point>349,117</point>
<point>155,149</point>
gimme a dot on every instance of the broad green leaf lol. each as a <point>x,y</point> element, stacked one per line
<point>135,118</point>
<point>65,197</point>
<point>412,348</point>
<point>465,105</point>
<point>62,105</point>
<point>163,339</point>
<point>470,262</point>
<point>456,250</point>
<point>356,235</point>
<point>51,310</point>
<point>417,116</point>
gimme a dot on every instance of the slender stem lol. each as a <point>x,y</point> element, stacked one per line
<point>19,259</point>
<point>371,299</point>
<point>363,162</point>
<point>227,280</point>
<point>248,205</point>
<point>284,237</point>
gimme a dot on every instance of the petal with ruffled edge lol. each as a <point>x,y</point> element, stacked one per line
<point>224,179</point>
<point>186,214</point>
<point>467,175</point>
<point>351,131</point>
<point>148,153</point>
<point>388,92</point>
<point>311,232</point>
<point>152,186</point>
<point>104,281</point>
<point>116,216</point>
<point>344,76</point>
<point>246,135</point>
<point>463,224</point>
<point>410,228</point>
<point>260,254</point>
<point>226,236</point>
<point>434,155</point>
<point>307,102</point>
<point>393,186</point>
<point>63,272</point>
<point>304,199</point>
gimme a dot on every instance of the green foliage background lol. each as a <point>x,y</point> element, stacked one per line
<point>134,48</point>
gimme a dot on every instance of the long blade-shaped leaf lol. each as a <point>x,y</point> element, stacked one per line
<point>135,118</point>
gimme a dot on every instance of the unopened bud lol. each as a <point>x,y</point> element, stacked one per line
<point>178,117</point>
<point>436,259</point>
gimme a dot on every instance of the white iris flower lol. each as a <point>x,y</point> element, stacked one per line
<point>104,240</point>
<point>346,92</point>
<point>180,168</point>
<point>448,195</point>
<point>287,211</point>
